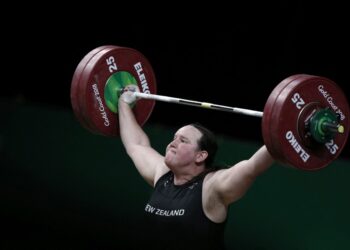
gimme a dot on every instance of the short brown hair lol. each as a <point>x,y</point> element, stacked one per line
<point>207,142</point>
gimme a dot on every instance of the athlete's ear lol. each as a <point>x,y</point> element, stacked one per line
<point>201,156</point>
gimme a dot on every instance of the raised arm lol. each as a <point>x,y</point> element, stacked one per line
<point>228,185</point>
<point>148,161</point>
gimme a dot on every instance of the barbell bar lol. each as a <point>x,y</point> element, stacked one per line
<point>206,105</point>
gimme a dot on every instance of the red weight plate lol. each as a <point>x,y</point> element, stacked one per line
<point>83,83</point>
<point>275,116</point>
<point>104,65</point>
<point>285,136</point>
<point>75,86</point>
<point>269,111</point>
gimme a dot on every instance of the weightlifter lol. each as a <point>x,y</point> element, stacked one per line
<point>189,205</point>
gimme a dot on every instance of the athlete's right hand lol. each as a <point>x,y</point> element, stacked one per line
<point>127,94</point>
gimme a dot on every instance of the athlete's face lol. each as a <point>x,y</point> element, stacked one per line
<point>183,149</point>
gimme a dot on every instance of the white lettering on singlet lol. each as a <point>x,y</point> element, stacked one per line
<point>162,212</point>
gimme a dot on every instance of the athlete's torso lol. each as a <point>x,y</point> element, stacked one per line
<point>176,217</point>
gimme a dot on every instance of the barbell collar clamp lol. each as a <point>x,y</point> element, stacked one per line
<point>336,128</point>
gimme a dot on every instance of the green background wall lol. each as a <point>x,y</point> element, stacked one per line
<point>65,188</point>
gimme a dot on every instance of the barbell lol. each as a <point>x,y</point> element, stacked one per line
<point>305,121</point>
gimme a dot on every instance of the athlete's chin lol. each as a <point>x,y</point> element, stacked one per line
<point>168,161</point>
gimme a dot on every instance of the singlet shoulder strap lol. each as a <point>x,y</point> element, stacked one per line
<point>163,178</point>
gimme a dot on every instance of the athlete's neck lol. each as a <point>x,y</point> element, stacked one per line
<point>184,177</point>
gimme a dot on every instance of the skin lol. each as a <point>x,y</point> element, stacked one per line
<point>184,158</point>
